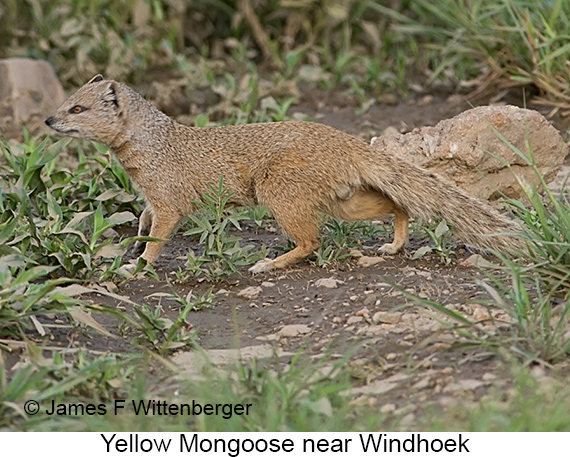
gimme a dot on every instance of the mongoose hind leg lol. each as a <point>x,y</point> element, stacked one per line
<point>400,234</point>
<point>163,223</point>
<point>367,204</point>
<point>145,224</point>
<point>303,229</point>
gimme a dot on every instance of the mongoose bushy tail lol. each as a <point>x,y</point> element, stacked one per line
<point>426,195</point>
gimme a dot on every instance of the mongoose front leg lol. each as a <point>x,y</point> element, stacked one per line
<point>145,224</point>
<point>400,233</point>
<point>163,223</point>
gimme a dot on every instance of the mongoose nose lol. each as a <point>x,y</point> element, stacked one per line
<point>49,120</point>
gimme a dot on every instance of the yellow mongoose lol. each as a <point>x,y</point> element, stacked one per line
<point>299,170</point>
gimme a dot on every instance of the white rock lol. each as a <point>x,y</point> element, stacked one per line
<point>388,408</point>
<point>250,292</point>
<point>479,261</point>
<point>367,261</point>
<point>329,283</point>
<point>294,330</point>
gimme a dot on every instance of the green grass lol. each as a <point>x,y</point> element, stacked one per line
<point>339,237</point>
<point>365,47</point>
<point>57,237</point>
<point>533,289</point>
<point>440,237</point>
<point>501,44</point>
<point>527,404</point>
<point>303,396</point>
<point>223,253</point>
<point>56,228</point>
<point>60,218</point>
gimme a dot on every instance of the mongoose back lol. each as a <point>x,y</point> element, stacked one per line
<point>299,170</point>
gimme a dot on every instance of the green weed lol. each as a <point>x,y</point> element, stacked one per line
<point>533,291</point>
<point>363,45</point>
<point>58,218</point>
<point>222,253</point>
<point>165,335</point>
<point>123,42</point>
<point>56,227</point>
<point>526,405</point>
<point>338,237</point>
<point>61,378</point>
<point>501,44</point>
<point>260,215</point>
<point>443,245</point>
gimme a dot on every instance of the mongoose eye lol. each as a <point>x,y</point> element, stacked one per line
<point>76,109</point>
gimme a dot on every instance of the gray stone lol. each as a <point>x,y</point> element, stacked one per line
<point>29,92</point>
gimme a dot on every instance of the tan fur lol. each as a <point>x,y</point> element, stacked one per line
<point>299,170</point>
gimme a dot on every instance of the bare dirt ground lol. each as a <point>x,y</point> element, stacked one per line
<point>402,353</point>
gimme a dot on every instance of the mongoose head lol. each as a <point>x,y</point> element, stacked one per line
<point>95,112</point>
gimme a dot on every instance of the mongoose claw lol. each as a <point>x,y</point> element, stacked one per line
<point>389,249</point>
<point>263,266</point>
<point>133,268</point>
<point>138,248</point>
<point>129,267</point>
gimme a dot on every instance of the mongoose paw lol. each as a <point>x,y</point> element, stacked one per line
<point>389,248</point>
<point>263,266</point>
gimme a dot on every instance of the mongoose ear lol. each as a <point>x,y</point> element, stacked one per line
<point>110,94</point>
<point>96,79</point>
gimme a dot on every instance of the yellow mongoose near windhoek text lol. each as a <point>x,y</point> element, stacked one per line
<point>299,170</point>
